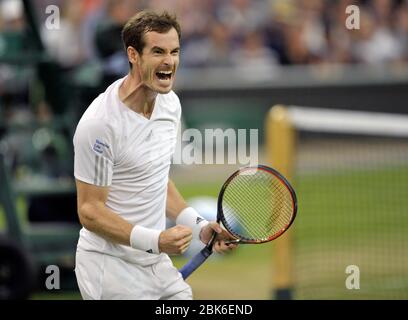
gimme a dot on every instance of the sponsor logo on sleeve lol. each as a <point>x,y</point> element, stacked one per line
<point>99,146</point>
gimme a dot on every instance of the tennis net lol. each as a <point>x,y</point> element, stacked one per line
<point>350,172</point>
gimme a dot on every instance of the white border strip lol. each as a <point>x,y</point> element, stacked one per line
<point>345,121</point>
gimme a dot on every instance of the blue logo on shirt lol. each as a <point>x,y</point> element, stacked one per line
<point>99,145</point>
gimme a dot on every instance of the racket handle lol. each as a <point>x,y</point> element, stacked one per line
<point>195,262</point>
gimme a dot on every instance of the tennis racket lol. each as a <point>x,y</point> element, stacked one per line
<point>255,205</point>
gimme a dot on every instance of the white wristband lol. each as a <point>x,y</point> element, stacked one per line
<point>189,217</point>
<point>145,239</point>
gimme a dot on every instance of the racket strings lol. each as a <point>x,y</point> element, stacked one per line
<point>274,192</point>
<point>244,224</point>
<point>257,206</point>
<point>281,197</point>
<point>248,214</point>
<point>241,201</point>
<point>260,228</point>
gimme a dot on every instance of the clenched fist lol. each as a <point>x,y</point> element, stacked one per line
<point>175,240</point>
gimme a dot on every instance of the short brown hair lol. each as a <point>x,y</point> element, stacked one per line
<point>145,21</point>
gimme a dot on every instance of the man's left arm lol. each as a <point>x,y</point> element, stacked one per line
<point>178,210</point>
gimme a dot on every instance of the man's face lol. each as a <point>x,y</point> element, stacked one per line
<point>159,60</point>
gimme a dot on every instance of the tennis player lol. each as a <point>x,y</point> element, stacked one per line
<point>123,146</point>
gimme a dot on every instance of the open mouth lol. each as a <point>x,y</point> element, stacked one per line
<point>164,75</point>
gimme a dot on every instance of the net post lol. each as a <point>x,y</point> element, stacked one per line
<point>280,146</point>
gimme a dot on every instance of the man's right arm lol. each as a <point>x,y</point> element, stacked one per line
<point>97,218</point>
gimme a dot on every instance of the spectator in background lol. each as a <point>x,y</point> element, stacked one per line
<point>219,46</point>
<point>110,26</point>
<point>313,33</point>
<point>254,59</point>
<point>382,11</point>
<point>11,15</point>
<point>13,85</point>
<point>281,14</point>
<point>108,43</point>
<point>65,44</point>
<point>338,37</point>
<point>11,20</point>
<point>94,12</point>
<point>243,16</point>
<point>373,43</point>
<point>401,29</point>
<point>305,33</point>
<point>196,20</point>
<point>295,47</point>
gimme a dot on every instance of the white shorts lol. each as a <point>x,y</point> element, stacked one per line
<point>104,277</point>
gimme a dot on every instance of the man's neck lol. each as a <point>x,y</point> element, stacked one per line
<point>136,96</point>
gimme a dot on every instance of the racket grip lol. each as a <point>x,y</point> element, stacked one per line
<point>195,262</point>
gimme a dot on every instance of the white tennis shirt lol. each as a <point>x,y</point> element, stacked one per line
<point>117,147</point>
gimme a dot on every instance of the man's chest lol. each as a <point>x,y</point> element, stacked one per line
<point>149,148</point>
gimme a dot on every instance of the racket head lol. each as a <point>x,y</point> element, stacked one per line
<point>256,204</point>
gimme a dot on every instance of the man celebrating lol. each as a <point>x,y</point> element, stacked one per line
<point>123,147</point>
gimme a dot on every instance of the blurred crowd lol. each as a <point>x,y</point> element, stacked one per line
<point>229,33</point>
